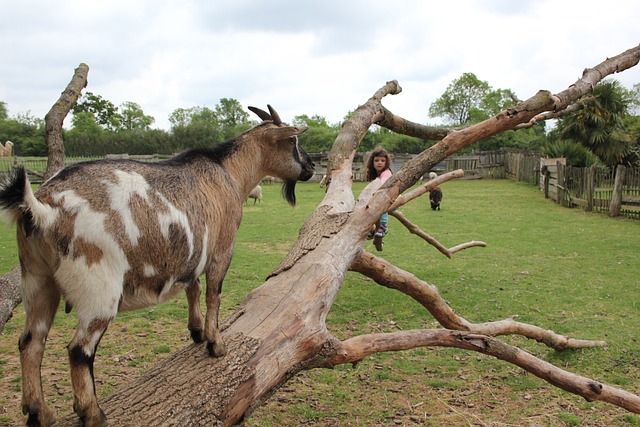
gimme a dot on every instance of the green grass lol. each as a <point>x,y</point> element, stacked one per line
<point>562,269</point>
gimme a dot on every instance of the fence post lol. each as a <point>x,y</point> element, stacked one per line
<point>591,187</point>
<point>561,184</point>
<point>616,198</point>
<point>547,177</point>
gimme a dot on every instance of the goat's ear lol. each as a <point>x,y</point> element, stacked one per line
<point>286,131</point>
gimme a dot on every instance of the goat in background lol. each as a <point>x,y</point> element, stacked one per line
<point>435,195</point>
<point>255,194</point>
<point>115,235</point>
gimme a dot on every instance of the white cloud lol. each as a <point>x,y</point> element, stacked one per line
<point>310,58</point>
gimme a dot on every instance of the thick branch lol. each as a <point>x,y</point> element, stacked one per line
<point>345,146</point>
<point>591,76</point>
<point>403,126</point>
<point>355,349</point>
<point>549,115</point>
<point>55,118</point>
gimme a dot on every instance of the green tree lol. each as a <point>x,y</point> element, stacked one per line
<point>532,138</point>
<point>105,113</point>
<point>461,96</point>
<point>180,117</point>
<point>378,136</point>
<point>496,101</point>
<point>85,136</point>
<point>232,118</point>
<point>319,137</point>
<point>576,154</point>
<point>27,134</point>
<point>195,127</point>
<point>133,117</point>
<point>600,125</point>
<point>633,97</point>
<point>469,100</point>
<point>84,123</point>
<point>4,111</point>
<point>203,127</point>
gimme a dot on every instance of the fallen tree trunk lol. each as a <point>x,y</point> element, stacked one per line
<point>279,328</point>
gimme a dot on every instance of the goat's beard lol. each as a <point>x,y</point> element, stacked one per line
<point>289,191</point>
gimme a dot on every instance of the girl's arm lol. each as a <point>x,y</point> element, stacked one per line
<point>386,174</point>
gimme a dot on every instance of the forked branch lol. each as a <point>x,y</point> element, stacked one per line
<point>414,229</point>
<point>357,348</point>
<point>390,276</point>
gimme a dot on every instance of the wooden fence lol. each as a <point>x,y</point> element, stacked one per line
<point>490,165</point>
<point>36,166</point>
<point>595,189</point>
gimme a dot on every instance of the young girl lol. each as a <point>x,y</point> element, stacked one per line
<point>379,166</point>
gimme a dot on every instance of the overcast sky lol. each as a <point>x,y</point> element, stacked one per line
<point>323,57</point>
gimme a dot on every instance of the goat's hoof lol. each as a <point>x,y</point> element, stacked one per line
<point>216,349</point>
<point>39,416</point>
<point>197,335</point>
<point>97,420</point>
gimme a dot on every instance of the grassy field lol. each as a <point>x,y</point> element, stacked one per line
<point>566,270</point>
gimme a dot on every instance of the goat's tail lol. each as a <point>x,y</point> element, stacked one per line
<point>17,200</point>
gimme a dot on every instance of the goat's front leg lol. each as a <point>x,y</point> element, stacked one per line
<point>82,350</point>
<point>215,345</point>
<point>196,321</point>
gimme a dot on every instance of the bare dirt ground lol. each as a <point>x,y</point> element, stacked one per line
<point>377,392</point>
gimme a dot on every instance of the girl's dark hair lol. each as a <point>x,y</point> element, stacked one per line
<point>370,172</point>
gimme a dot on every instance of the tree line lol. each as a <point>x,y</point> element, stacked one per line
<point>605,129</point>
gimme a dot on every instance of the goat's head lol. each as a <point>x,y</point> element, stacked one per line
<point>287,160</point>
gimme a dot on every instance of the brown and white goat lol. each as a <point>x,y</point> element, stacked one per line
<point>115,235</point>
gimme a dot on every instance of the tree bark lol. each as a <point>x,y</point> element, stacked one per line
<point>279,328</point>
<point>55,117</point>
<point>616,199</point>
<point>10,295</point>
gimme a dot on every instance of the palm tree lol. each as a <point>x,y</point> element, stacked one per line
<point>600,126</point>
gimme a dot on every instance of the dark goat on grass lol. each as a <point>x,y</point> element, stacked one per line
<point>115,235</point>
<point>435,195</point>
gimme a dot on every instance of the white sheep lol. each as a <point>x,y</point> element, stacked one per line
<point>255,194</point>
<point>114,235</point>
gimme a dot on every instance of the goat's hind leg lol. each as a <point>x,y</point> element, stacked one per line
<point>82,350</point>
<point>196,320</point>
<point>215,345</point>
<point>40,300</point>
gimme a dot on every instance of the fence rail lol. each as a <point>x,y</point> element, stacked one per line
<point>36,166</point>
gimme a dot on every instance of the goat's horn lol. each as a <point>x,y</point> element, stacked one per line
<point>261,113</point>
<point>276,117</point>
